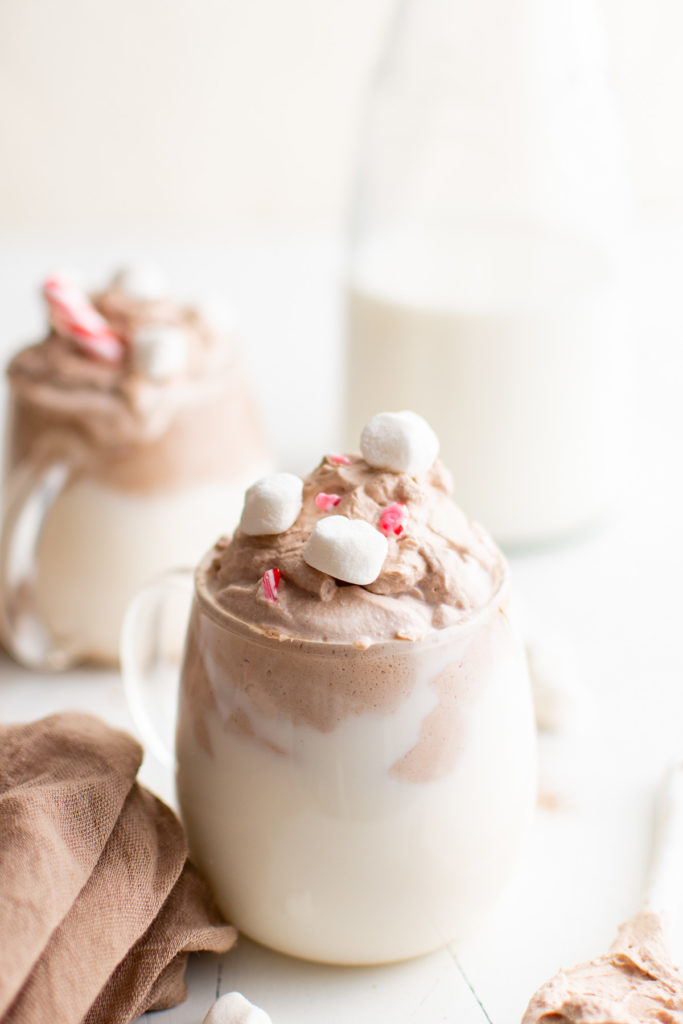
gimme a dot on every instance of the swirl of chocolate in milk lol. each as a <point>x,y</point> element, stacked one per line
<point>273,639</point>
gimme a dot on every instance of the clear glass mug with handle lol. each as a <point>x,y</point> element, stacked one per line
<point>347,805</point>
<point>83,528</point>
<point>108,478</point>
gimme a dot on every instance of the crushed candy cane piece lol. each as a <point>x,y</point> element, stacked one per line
<point>325,502</point>
<point>73,315</point>
<point>394,518</point>
<point>339,460</point>
<point>271,582</point>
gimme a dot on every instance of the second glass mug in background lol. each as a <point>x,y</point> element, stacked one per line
<point>487,272</point>
<point>85,524</point>
<point>350,806</point>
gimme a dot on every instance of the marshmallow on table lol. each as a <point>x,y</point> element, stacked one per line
<point>402,442</point>
<point>351,550</point>
<point>272,504</point>
<point>144,282</point>
<point>233,1008</point>
<point>161,350</point>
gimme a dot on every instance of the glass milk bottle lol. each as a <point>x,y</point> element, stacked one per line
<point>488,254</point>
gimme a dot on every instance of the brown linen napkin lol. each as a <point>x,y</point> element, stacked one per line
<point>152,977</point>
<point>63,782</point>
<point>98,903</point>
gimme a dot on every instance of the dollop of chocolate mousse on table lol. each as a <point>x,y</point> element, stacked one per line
<point>634,983</point>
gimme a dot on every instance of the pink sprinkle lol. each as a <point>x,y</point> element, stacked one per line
<point>325,502</point>
<point>73,315</point>
<point>339,460</point>
<point>271,582</point>
<point>394,518</point>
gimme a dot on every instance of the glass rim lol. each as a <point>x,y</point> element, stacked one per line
<point>275,640</point>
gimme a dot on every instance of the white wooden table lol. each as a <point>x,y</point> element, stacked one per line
<point>613,598</point>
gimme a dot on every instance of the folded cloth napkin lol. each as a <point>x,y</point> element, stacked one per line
<point>99,906</point>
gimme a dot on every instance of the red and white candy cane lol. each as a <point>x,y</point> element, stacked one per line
<point>271,582</point>
<point>73,315</point>
<point>394,518</point>
<point>326,502</point>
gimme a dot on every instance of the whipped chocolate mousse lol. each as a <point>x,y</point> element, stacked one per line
<point>145,430</point>
<point>635,982</point>
<point>356,762</point>
<point>439,567</point>
<point>142,401</point>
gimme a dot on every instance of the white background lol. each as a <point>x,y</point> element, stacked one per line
<point>206,117</point>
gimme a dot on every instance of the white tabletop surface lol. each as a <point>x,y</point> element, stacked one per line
<point>609,602</point>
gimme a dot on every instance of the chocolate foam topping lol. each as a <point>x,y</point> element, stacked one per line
<point>439,567</point>
<point>116,403</point>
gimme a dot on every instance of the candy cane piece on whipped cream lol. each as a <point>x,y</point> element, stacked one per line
<point>271,582</point>
<point>73,315</point>
<point>394,518</point>
<point>326,502</point>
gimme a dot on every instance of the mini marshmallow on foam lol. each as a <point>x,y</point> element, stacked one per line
<point>143,282</point>
<point>161,350</point>
<point>272,504</point>
<point>402,442</point>
<point>351,550</point>
<point>233,1008</point>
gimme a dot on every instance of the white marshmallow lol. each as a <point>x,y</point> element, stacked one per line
<point>161,350</point>
<point>272,504</point>
<point>348,549</point>
<point>233,1008</point>
<point>144,282</point>
<point>400,441</point>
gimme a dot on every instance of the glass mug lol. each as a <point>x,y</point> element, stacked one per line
<point>349,806</point>
<point>86,523</point>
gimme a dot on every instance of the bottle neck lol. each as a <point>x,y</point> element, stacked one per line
<point>485,44</point>
<point>497,115</point>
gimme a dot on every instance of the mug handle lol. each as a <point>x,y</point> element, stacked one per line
<point>149,670</point>
<point>31,490</point>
